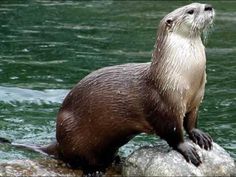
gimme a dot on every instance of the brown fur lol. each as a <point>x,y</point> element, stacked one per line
<point>111,105</point>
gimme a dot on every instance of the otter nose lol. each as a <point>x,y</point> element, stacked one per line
<point>208,7</point>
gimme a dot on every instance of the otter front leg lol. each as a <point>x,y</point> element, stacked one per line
<point>197,136</point>
<point>175,139</point>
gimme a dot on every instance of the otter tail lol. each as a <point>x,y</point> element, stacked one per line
<point>51,149</point>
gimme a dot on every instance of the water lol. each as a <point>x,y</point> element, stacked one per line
<point>46,47</point>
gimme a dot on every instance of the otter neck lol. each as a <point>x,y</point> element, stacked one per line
<point>177,62</point>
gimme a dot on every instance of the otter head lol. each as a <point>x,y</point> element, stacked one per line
<point>189,20</point>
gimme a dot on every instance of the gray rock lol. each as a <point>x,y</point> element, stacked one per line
<point>43,167</point>
<point>162,161</point>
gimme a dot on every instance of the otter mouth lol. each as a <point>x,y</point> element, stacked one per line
<point>206,21</point>
<point>209,17</point>
<point>212,16</point>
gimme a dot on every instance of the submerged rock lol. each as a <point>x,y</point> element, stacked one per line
<point>163,161</point>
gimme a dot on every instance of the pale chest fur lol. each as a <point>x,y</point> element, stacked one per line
<point>184,70</point>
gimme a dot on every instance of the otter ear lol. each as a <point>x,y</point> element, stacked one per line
<point>169,22</point>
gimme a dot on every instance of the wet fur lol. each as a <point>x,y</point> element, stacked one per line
<point>111,105</point>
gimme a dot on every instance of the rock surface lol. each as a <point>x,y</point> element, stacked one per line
<point>146,161</point>
<point>162,161</point>
<point>44,167</point>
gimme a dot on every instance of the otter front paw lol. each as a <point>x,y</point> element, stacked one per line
<point>189,153</point>
<point>202,139</point>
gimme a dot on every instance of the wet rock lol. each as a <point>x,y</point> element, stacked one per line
<point>43,167</point>
<point>163,161</point>
<point>147,161</point>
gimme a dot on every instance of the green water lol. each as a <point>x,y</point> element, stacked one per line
<point>46,47</point>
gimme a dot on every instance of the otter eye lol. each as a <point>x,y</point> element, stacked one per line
<point>190,12</point>
<point>169,21</point>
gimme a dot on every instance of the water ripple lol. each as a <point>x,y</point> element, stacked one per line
<point>15,94</point>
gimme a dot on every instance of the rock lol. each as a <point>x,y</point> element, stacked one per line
<point>146,161</point>
<point>43,167</point>
<point>163,161</point>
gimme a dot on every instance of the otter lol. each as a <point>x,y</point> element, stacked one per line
<point>113,104</point>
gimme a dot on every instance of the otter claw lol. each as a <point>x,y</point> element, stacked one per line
<point>202,139</point>
<point>189,153</point>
